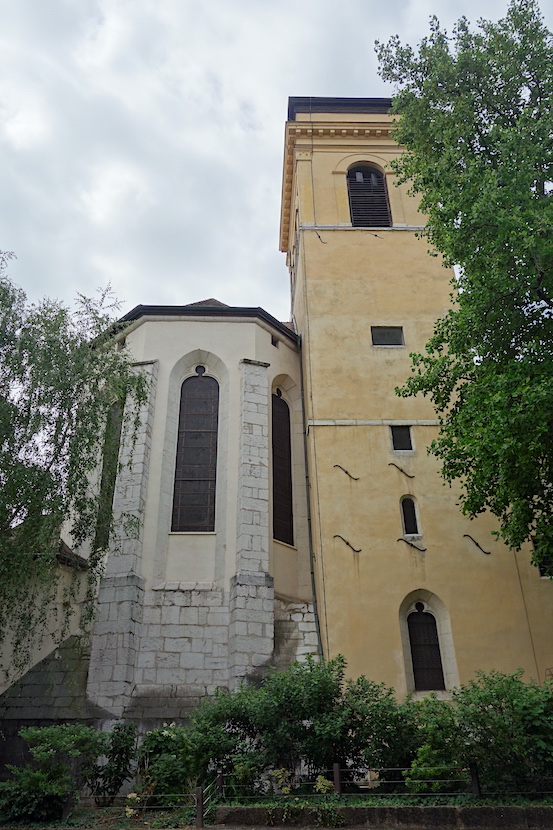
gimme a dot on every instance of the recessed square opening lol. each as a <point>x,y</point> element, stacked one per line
<point>387,335</point>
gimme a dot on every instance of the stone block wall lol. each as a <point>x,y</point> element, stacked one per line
<point>295,632</point>
<point>52,691</point>
<point>184,646</point>
<point>115,642</point>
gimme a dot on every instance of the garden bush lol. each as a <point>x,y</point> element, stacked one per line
<point>66,758</point>
<point>306,718</point>
<point>119,749</point>
<point>289,730</point>
<point>506,728</point>
<point>164,766</point>
<point>63,759</point>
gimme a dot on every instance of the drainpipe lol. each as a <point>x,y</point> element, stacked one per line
<point>307,494</point>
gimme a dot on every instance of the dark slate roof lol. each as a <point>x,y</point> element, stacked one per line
<point>217,310</point>
<point>352,105</point>
<point>211,303</point>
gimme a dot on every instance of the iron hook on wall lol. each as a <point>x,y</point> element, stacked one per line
<point>392,464</point>
<point>468,536</point>
<point>346,472</point>
<point>407,542</point>
<point>337,536</point>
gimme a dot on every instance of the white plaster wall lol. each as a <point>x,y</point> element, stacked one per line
<point>179,344</point>
<point>206,611</point>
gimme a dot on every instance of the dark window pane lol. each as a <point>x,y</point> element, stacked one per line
<point>425,650</point>
<point>196,464</point>
<point>387,335</point>
<point>283,528</point>
<point>368,199</point>
<point>401,438</point>
<point>409,516</point>
<point>546,567</point>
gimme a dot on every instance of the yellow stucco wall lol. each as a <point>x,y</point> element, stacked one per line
<point>493,610</point>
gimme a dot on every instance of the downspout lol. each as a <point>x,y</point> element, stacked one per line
<point>307,495</point>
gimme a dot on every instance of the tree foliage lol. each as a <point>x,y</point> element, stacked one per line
<point>66,758</point>
<point>61,379</point>
<point>476,120</point>
<point>306,717</point>
<point>285,734</point>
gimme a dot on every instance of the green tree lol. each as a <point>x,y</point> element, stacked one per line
<point>476,119</point>
<point>61,381</point>
<point>307,716</point>
<point>506,727</point>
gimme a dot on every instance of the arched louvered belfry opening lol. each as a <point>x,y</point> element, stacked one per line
<point>283,524</point>
<point>425,650</point>
<point>368,197</point>
<point>196,465</point>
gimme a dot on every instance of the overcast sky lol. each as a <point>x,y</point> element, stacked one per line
<point>142,140</point>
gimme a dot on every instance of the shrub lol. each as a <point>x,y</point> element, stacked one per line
<point>307,717</point>
<point>164,766</point>
<point>430,774</point>
<point>105,780</point>
<point>35,795</point>
<point>382,732</point>
<point>506,728</point>
<point>63,757</point>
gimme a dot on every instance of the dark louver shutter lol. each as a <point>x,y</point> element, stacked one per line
<point>283,528</point>
<point>368,199</point>
<point>425,650</point>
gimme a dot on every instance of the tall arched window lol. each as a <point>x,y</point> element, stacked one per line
<point>425,650</point>
<point>368,199</point>
<point>409,517</point>
<point>283,526</point>
<point>196,466</point>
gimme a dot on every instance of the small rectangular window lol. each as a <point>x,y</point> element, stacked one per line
<point>401,438</point>
<point>546,568</point>
<point>387,335</point>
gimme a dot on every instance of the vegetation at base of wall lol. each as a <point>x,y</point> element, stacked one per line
<point>66,759</point>
<point>476,119</point>
<point>165,768</point>
<point>276,744</point>
<point>62,380</point>
<point>308,716</point>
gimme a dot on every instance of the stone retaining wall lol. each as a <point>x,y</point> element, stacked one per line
<point>390,818</point>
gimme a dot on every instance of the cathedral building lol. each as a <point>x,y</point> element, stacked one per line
<point>287,503</point>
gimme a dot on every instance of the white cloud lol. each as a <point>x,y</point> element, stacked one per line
<point>115,189</point>
<point>142,139</point>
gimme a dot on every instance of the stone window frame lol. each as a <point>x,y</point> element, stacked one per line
<point>388,345</point>
<point>419,533</point>
<point>183,368</point>
<point>374,159</point>
<point>411,436</point>
<point>286,517</point>
<point>420,612</point>
<point>438,609</point>
<point>292,395</point>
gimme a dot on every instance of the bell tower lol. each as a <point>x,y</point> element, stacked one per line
<point>409,590</point>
